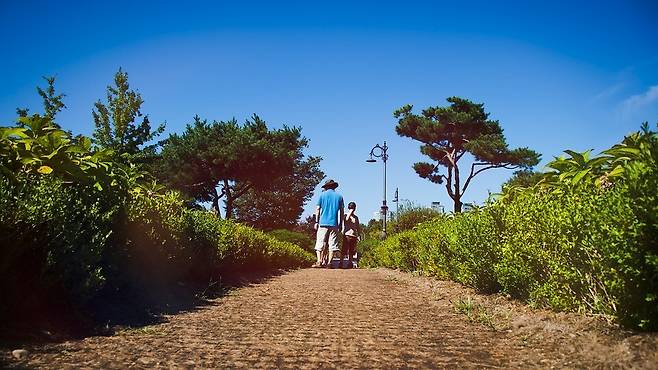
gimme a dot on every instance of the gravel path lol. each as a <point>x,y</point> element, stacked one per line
<point>319,318</point>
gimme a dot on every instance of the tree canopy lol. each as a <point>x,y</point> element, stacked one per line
<point>448,133</point>
<point>281,206</point>
<point>225,160</point>
<point>116,121</point>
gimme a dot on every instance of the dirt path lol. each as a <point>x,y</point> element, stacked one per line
<point>317,318</point>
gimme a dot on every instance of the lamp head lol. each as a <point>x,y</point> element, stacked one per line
<point>371,159</point>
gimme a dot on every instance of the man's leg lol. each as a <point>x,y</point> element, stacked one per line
<point>319,244</point>
<point>333,243</point>
<point>318,261</point>
<point>331,257</point>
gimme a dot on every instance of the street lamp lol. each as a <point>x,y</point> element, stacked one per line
<point>396,200</point>
<point>380,152</point>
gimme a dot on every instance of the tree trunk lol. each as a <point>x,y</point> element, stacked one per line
<point>458,195</point>
<point>458,205</point>
<point>215,204</point>
<point>228,212</point>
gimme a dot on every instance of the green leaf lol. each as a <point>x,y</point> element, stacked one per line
<point>12,131</point>
<point>76,149</point>
<point>576,179</point>
<point>29,160</point>
<point>598,162</point>
<point>45,170</point>
<point>53,153</point>
<point>618,151</point>
<point>578,157</point>
<point>27,143</point>
<point>617,171</point>
<point>85,143</point>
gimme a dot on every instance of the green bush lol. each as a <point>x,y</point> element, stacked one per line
<point>297,238</point>
<point>252,249</point>
<point>165,241</point>
<point>67,241</point>
<point>587,251</point>
<point>75,219</point>
<point>410,216</point>
<point>573,242</point>
<point>459,248</point>
<point>53,237</point>
<point>366,250</point>
<point>149,242</point>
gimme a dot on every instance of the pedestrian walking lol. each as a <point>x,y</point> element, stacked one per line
<point>351,235</point>
<point>329,215</point>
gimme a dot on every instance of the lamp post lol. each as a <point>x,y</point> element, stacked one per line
<point>379,151</point>
<point>397,204</point>
<point>396,199</point>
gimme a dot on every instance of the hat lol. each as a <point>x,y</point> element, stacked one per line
<point>330,184</point>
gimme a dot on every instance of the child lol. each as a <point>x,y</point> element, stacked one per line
<point>352,230</point>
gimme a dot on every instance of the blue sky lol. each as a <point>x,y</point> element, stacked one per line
<point>565,75</point>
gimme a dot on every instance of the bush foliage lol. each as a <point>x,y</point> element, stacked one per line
<point>73,221</point>
<point>411,215</point>
<point>53,237</point>
<point>300,239</point>
<point>582,239</point>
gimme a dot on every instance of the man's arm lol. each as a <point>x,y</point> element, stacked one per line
<point>317,218</point>
<point>341,218</point>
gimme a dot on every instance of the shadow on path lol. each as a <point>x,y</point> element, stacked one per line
<point>116,311</point>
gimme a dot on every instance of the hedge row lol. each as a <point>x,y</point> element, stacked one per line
<point>589,250</point>
<point>69,241</point>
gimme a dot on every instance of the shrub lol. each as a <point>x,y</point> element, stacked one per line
<point>66,242</point>
<point>297,238</point>
<point>366,250</point>
<point>163,241</point>
<point>578,241</point>
<point>149,243</point>
<point>586,251</point>
<point>459,248</point>
<point>53,237</point>
<point>75,219</point>
<point>410,216</point>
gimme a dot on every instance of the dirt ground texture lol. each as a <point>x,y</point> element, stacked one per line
<point>358,318</point>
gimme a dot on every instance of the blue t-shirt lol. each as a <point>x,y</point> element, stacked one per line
<point>330,203</point>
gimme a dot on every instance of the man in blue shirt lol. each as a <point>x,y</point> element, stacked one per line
<point>329,216</point>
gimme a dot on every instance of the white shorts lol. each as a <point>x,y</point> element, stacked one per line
<point>329,235</point>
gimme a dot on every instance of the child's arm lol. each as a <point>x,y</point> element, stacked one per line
<point>349,215</point>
